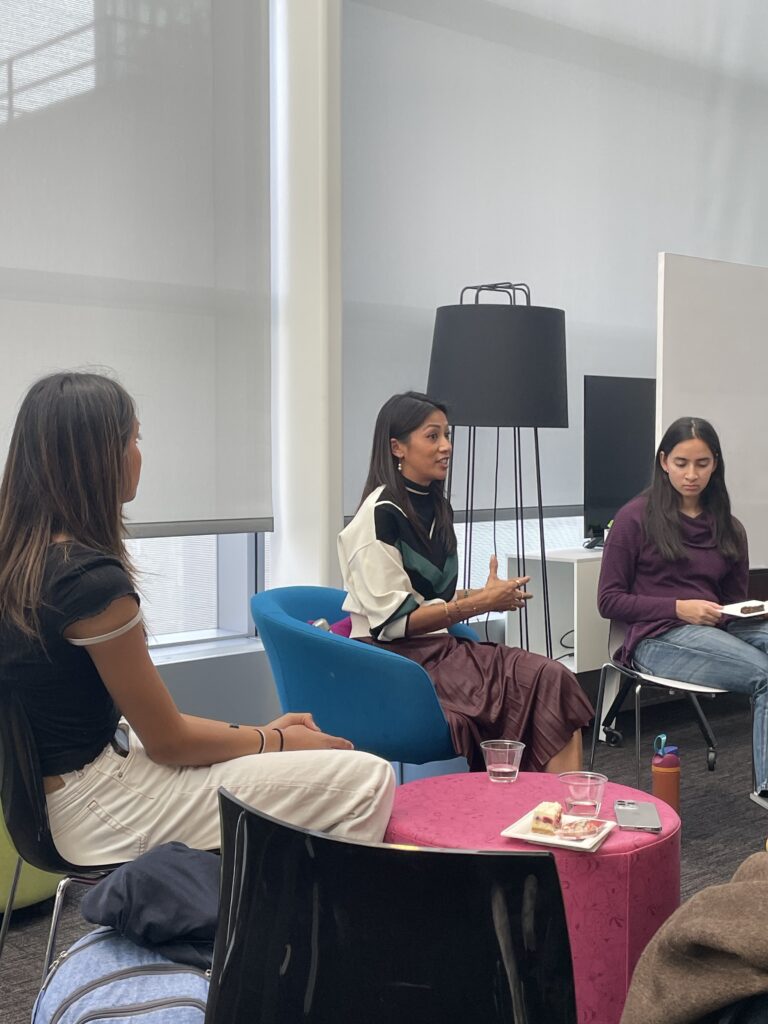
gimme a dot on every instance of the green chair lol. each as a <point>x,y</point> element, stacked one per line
<point>32,885</point>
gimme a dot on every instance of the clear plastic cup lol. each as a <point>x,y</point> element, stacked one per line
<point>583,792</point>
<point>502,759</point>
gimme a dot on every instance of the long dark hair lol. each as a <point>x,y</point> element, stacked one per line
<point>399,417</point>
<point>662,524</point>
<point>66,473</point>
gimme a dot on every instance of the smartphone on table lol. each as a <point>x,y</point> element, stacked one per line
<point>637,815</point>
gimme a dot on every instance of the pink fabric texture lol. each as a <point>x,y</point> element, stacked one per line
<point>343,627</point>
<point>615,899</point>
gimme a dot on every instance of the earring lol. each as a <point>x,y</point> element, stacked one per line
<point>399,466</point>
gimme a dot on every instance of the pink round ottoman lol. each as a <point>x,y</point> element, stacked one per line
<point>615,898</point>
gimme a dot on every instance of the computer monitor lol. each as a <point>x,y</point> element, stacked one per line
<point>619,445</point>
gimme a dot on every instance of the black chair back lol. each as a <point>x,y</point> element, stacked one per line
<point>21,791</point>
<point>314,929</point>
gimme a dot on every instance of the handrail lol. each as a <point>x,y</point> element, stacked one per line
<point>13,91</point>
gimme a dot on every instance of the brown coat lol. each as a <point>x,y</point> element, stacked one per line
<point>711,952</point>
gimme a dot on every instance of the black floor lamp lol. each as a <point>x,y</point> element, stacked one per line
<point>502,365</point>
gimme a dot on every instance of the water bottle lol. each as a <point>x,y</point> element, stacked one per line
<point>665,772</point>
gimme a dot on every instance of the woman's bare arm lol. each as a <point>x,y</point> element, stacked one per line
<point>170,737</point>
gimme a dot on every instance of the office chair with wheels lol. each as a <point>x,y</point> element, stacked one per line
<point>26,816</point>
<point>632,677</point>
<point>379,700</point>
<point>315,930</point>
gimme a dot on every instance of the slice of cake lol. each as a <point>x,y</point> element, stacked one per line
<point>547,818</point>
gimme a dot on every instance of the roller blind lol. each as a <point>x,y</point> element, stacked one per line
<point>134,235</point>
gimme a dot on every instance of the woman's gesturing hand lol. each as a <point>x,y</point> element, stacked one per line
<point>698,613</point>
<point>503,595</point>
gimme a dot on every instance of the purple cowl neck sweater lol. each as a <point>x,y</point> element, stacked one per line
<point>638,587</point>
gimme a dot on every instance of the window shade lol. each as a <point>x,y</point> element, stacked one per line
<point>134,235</point>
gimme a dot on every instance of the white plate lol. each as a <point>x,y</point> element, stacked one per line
<point>735,609</point>
<point>521,829</point>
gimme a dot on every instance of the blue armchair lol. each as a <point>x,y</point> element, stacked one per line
<point>379,700</point>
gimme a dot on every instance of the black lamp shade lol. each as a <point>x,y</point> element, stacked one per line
<point>500,365</point>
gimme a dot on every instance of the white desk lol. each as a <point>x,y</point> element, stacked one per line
<point>572,575</point>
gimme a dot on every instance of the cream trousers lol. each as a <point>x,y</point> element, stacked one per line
<point>117,807</point>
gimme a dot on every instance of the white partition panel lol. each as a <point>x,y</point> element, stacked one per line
<point>713,362</point>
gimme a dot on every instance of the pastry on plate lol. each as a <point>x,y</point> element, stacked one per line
<point>547,818</point>
<point>581,828</point>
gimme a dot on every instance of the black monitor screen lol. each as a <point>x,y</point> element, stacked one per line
<point>619,445</point>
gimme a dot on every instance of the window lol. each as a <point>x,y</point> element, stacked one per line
<point>562,532</point>
<point>146,254</point>
<point>559,532</point>
<point>195,588</point>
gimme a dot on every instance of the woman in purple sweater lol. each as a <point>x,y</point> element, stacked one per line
<point>674,556</point>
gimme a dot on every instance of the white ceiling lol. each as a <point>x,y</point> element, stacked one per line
<point>729,36</point>
<point>731,33</point>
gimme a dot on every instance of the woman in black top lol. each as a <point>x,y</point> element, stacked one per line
<point>72,647</point>
<point>398,560</point>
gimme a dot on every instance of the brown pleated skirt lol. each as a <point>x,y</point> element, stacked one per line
<point>491,691</point>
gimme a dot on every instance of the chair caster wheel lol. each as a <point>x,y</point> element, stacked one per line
<point>613,737</point>
<point>711,758</point>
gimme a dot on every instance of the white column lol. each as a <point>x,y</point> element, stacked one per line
<point>306,347</point>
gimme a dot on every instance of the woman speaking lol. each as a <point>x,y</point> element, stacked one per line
<point>398,560</point>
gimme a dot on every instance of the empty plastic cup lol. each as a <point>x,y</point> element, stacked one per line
<point>583,792</point>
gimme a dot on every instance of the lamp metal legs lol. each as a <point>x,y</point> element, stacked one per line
<point>519,510</point>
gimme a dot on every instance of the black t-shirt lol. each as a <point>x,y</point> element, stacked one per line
<point>70,710</point>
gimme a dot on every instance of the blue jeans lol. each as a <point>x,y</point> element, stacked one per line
<point>735,658</point>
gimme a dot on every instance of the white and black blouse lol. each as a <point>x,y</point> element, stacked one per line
<point>390,567</point>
